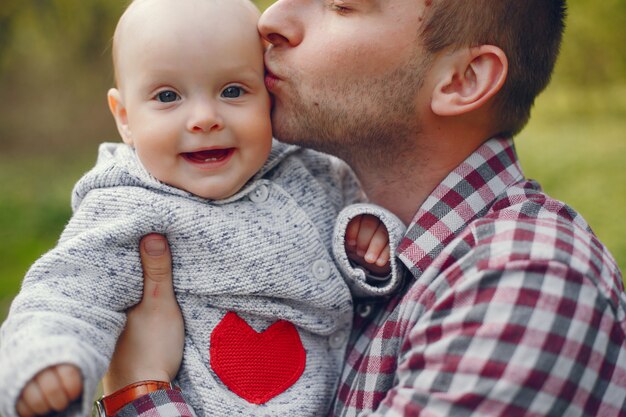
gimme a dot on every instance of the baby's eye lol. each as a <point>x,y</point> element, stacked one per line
<point>233,92</point>
<point>167,96</point>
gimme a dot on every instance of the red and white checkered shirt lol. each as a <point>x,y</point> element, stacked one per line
<point>511,307</point>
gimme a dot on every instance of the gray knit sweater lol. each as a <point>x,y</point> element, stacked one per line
<point>266,311</point>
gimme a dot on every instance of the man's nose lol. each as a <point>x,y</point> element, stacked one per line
<point>281,23</point>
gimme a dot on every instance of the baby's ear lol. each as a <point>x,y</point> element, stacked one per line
<point>118,109</point>
<point>469,78</point>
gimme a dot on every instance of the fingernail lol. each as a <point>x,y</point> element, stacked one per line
<point>351,242</point>
<point>154,247</point>
<point>370,258</point>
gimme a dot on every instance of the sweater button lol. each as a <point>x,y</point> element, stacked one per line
<point>337,339</point>
<point>260,194</point>
<point>364,310</point>
<point>321,270</point>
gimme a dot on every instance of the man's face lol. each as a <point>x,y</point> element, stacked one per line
<point>344,74</point>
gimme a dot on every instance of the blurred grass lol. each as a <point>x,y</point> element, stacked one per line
<point>575,146</point>
<point>35,206</point>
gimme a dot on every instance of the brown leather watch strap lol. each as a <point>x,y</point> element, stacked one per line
<point>115,402</point>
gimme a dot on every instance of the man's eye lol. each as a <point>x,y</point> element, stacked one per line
<point>167,96</point>
<point>233,92</point>
<point>338,7</point>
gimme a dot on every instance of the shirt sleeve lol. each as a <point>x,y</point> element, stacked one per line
<point>163,403</point>
<point>532,338</point>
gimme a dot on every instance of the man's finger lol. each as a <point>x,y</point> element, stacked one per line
<point>157,267</point>
<point>151,345</point>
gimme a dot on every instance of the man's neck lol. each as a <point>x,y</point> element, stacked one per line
<point>404,186</point>
<point>401,191</point>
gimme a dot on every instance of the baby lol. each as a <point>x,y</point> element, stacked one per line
<point>250,221</point>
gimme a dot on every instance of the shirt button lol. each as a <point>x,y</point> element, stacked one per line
<point>321,270</point>
<point>260,194</point>
<point>364,310</point>
<point>337,339</point>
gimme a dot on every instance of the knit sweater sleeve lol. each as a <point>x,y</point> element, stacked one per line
<point>362,283</point>
<point>71,305</point>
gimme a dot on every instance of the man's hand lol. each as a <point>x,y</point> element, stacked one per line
<point>367,244</point>
<point>51,390</point>
<point>151,346</point>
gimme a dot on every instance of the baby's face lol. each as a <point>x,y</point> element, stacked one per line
<point>190,78</point>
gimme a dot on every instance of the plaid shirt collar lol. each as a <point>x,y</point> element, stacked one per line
<point>465,194</point>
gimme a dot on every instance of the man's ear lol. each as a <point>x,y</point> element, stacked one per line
<point>468,78</point>
<point>118,109</point>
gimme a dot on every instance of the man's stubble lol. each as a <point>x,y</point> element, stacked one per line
<point>363,121</point>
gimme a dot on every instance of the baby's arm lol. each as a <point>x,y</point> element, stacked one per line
<point>52,389</point>
<point>367,244</point>
<point>71,306</point>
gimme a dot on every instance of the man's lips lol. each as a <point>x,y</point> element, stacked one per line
<point>209,157</point>
<point>270,80</point>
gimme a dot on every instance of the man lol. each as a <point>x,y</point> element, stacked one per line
<point>511,305</point>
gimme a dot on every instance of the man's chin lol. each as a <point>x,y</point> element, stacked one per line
<point>291,127</point>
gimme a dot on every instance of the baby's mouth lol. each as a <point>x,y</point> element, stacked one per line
<point>208,155</point>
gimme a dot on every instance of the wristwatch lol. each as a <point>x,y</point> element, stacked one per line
<point>108,406</point>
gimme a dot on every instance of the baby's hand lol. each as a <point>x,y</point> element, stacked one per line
<point>367,244</point>
<point>52,389</point>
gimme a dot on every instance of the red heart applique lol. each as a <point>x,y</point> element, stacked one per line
<point>256,366</point>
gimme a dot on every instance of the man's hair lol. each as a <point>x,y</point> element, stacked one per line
<point>528,31</point>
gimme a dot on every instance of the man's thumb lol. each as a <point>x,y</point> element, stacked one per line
<point>155,259</point>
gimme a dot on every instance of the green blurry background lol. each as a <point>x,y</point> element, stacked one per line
<point>55,71</point>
